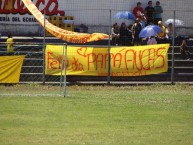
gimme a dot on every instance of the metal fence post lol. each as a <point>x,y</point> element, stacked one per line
<point>109,50</point>
<point>44,41</point>
<point>173,47</point>
<point>65,69</point>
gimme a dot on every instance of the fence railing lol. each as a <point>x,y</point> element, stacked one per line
<point>179,69</point>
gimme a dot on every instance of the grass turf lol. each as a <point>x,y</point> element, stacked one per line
<point>98,115</point>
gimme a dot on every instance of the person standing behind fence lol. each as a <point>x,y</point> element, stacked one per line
<point>124,35</point>
<point>143,20</point>
<point>137,27</point>
<point>9,43</point>
<point>162,36</point>
<point>184,50</point>
<point>150,11</point>
<point>138,10</point>
<point>115,34</point>
<point>158,11</point>
<point>169,32</point>
<point>130,35</point>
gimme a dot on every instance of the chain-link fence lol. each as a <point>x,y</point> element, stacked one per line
<point>101,20</point>
<point>33,69</point>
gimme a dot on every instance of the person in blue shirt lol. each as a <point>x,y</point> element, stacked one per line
<point>158,11</point>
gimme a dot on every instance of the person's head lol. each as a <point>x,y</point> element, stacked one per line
<point>170,25</point>
<point>184,42</point>
<point>157,3</point>
<point>159,23</point>
<point>137,20</point>
<point>138,4</point>
<point>115,25</point>
<point>149,3</point>
<point>9,36</point>
<point>123,25</point>
<point>130,27</point>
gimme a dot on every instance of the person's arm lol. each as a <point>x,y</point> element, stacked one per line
<point>154,12</point>
<point>142,10</point>
<point>161,10</point>
<point>154,41</point>
<point>145,13</point>
<point>134,12</point>
<point>165,35</point>
<point>148,41</point>
<point>112,32</point>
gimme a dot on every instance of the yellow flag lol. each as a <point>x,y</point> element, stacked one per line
<point>10,68</point>
<point>66,35</point>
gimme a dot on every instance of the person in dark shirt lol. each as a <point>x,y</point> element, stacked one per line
<point>130,35</point>
<point>150,11</point>
<point>184,50</point>
<point>137,27</point>
<point>124,37</point>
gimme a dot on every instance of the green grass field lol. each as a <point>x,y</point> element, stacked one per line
<point>98,115</point>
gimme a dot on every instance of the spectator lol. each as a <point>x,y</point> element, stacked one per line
<point>169,32</point>
<point>184,50</point>
<point>158,11</point>
<point>9,44</point>
<point>137,27</point>
<point>115,34</point>
<point>138,10</point>
<point>149,11</point>
<point>130,35</point>
<point>151,40</point>
<point>162,36</point>
<point>124,35</point>
<point>143,20</point>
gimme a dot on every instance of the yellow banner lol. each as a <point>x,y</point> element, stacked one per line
<point>68,36</point>
<point>125,61</point>
<point>10,68</point>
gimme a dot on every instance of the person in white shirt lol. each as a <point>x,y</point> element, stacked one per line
<point>169,32</point>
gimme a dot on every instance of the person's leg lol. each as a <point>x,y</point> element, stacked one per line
<point>183,54</point>
<point>187,54</point>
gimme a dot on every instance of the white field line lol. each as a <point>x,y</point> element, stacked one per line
<point>30,95</point>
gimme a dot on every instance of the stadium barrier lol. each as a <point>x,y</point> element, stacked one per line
<point>33,68</point>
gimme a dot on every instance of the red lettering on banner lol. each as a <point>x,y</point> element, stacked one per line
<point>130,58</point>
<point>139,61</point>
<point>56,61</point>
<point>76,66</point>
<point>91,59</point>
<point>151,60</point>
<point>52,62</point>
<point>128,62</point>
<point>99,61</point>
<point>82,51</point>
<point>18,7</point>
<point>117,60</point>
<point>160,56</point>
